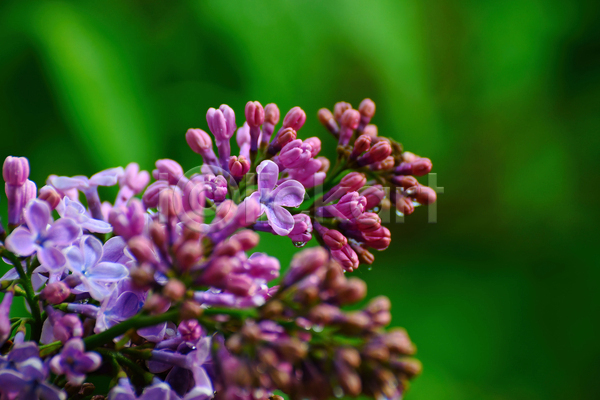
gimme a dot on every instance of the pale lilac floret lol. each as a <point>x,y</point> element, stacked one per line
<point>273,199</point>
<point>74,362</point>
<point>194,362</point>
<point>76,211</point>
<point>97,276</point>
<point>89,186</point>
<point>42,237</point>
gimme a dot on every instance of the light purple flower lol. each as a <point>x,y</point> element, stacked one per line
<point>87,263</point>
<point>40,238</point>
<point>273,199</point>
<point>76,211</point>
<point>194,362</point>
<point>132,182</point>
<point>74,362</point>
<point>128,220</point>
<point>89,186</point>
<point>22,375</point>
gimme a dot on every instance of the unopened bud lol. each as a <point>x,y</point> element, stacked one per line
<point>294,119</point>
<point>50,196</point>
<point>190,310</point>
<point>174,290</point>
<point>339,109</point>
<point>362,144</point>
<point>141,248</point>
<point>15,170</point>
<point>422,194</point>
<point>272,114</point>
<point>367,108</point>
<point>247,239</point>
<point>188,254</point>
<point>255,114</point>
<point>55,293</point>
<point>354,291</point>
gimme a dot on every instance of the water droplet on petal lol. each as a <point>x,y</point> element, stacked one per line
<point>338,392</point>
<point>299,244</point>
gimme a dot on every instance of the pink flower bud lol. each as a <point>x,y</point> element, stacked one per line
<point>404,205</point>
<point>305,263</point>
<point>362,144</point>
<point>239,166</point>
<point>174,290</point>
<point>152,193</point>
<point>315,144</point>
<point>421,166</point>
<point>367,108</point>
<point>339,109</point>
<point>379,152</point>
<point>15,170</point>
<point>294,119</point>
<point>199,141</point>
<point>272,113</point>
<point>49,195</point>
<point>326,119</point>
<point>141,248</point>
<point>370,130</point>
<point>405,181</point>
<point>374,195</point>
<point>190,330</point>
<point>334,239</point>
<point>135,179</point>
<point>422,194</point>
<point>168,170</point>
<point>346,257</point>
<point>349,122</point>
<point>255,114</point>
<point>169,203</point>
<point>241,285</point>
<point>353,181</point>
<point>55,293</point>
<point>282,138</point>
<point>247,239</point>
<point>378,239</point>
<point>368,222</point>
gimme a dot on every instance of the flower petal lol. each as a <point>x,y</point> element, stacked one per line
<point>114,250</point>
<point>268,174</point>
<point>75,260</point>
<point>96,226</point>
<point>37,216</point>
<point>21,241</point>
<point>11,381</point>
<point>91,247</point>
<point>108,177</point>
<point>280,219</point>
<point>63,183</point>
<point>51,258</point>
<point>289,194</point>
<point>63,232</point>
<point>98,290</point>
<point>11,275</point>
<point>107,272</point>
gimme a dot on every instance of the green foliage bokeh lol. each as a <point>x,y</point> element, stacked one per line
<point>501,295</point>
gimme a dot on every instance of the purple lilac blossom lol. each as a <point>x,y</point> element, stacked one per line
<point>43,237</point>
<point>274,198</point>
<point>74,362</point>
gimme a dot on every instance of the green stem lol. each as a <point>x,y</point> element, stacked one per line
<point>36,328</point>
<point>137,322</point>
<point>126,362</point>
<point>49,348</point>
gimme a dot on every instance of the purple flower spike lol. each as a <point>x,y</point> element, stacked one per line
<point>86,262</point>
<point>15,170</point>
<point>4,317</point>
<point>18,197</point>
<point>74,362</point>
<point>40,239</point>
<point>273,199</point>
<point>255,115</point>
<point>75,211</point>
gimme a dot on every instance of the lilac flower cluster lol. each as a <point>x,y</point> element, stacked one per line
<point>161,289</point>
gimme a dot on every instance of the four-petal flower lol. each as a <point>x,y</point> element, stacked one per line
<point>273,198</point>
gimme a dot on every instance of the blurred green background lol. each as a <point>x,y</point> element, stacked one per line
<point>501,295</point>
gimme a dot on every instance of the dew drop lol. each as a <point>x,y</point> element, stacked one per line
<point>369,268</point>
<point>399,214</point>
<point>299,244</point>
<point>318,328</point>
